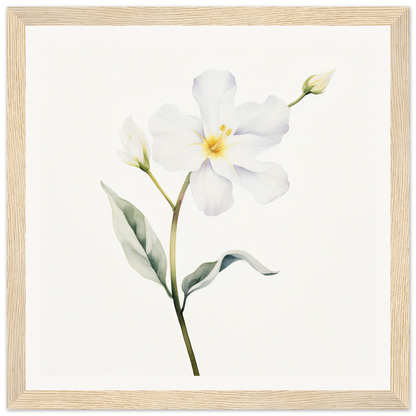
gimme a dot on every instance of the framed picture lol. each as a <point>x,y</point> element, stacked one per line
<point>208,208</point>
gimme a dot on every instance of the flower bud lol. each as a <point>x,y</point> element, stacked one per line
<point>316,84</point>
<point>135,143</point>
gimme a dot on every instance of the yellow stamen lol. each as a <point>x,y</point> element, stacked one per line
<point>215,145</point>
<point>203,138</point>
<point>218,142</point>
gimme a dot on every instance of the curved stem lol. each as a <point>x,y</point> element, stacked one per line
<point>160,189</point>
<point>296,101</point>
<point>175,295</point>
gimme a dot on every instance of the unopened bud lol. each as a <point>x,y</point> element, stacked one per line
<point>316,84</point>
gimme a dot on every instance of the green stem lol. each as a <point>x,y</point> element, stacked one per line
<point>175,295</point>
<point>160,189</point>
<point>296,101</point>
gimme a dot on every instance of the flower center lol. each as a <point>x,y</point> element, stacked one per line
<point>214,145</point>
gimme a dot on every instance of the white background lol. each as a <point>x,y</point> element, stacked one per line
<point>321,323</point>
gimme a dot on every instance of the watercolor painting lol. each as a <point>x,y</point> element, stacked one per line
<point>214,153</point>
<point>208,200</point>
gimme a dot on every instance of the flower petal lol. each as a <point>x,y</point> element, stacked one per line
<point>223,167</point>
<point>146,144</point>
<point>124,139</point>
<point>215,91</point>
<point>212,193</point>
<point>136,148</point>
<point>241,151</point>
<point>139,139</point>
<point>270,119</point>
<point>129,126</point>
<point>248,145</point>
<point>126,158</point>
<point>176,144</point>
<point>266,186</point>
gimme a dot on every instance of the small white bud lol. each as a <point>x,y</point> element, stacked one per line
<point>135,144</point>
<point>316,84</point>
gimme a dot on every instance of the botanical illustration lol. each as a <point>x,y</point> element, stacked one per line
<point>216,152</point>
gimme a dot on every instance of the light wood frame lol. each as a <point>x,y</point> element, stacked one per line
<point>395,398</point>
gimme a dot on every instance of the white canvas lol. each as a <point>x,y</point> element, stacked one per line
<point>321,323</point>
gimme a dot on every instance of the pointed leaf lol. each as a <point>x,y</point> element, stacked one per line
<point>207,272</point>
<point>142,248</point>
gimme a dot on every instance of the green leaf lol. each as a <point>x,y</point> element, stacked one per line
<point>207,272</point>
<point>142,248</point>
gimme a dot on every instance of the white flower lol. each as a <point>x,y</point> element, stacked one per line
<point>317,83</point>
<point>221,148</point>
<point>135,143</point>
